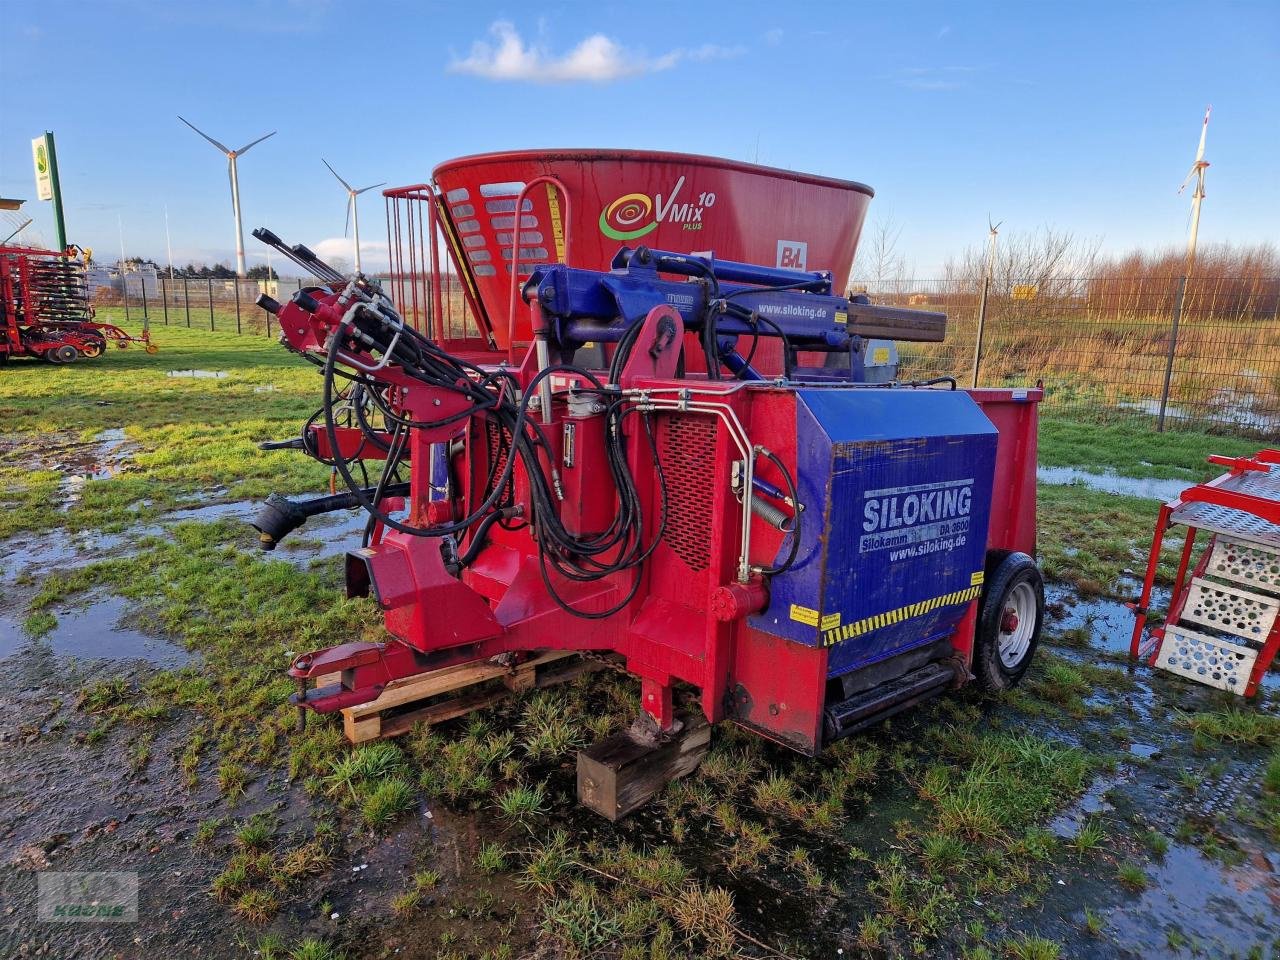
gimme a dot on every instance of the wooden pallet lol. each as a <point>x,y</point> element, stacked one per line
<point>473,685</point>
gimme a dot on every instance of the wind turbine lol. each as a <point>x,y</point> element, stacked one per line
<point>992,229</point>
<point>353,211</point>
<point>231,156</point>
<point>1197,172</point>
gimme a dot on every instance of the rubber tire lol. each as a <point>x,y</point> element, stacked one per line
<point>1005,570</point>
<point>94,348</point>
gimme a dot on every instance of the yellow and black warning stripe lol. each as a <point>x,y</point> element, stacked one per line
<point>858,627</point>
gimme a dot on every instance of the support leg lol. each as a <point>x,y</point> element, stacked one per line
<point>1153,562</point>
<point>655,699</point>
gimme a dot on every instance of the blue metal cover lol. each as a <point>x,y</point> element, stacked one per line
<point>897,486</point>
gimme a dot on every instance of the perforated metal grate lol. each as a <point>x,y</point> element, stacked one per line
<point>1206,660</point>
<point>1249,564</point>
<point>688,455</point>
<point>1231,610</point>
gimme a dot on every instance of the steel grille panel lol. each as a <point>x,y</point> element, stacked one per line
<point>1238,612</point>
<point>1234,523</point>
<point>1256,483</point>
<point>688,455</point>
<point>1249,564</point>
<point>1206,660</point>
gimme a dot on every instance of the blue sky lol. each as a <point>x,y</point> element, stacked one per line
<point>1081,115</point>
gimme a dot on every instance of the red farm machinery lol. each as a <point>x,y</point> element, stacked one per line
<point>45,310</point>
<point>620,404</point>
<point>1222,628</point>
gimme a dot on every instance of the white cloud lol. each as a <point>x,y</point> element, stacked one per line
<point>597,59</point>
<point>340,252</point>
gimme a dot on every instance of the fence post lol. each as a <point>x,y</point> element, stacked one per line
<point>124,293</point>
<point>164,299</point>
<point>1173,346</point>
<point>210,282</point>
<point>186,298</point>
<point>982,323</point>
<point>237,283</point>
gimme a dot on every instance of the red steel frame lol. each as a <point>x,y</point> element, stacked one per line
<point>1263,461</point>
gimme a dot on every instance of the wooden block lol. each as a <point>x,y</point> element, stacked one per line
<point>458,706</point>
<point>368,721</point>
<point>361,729</point>
<point>621,773</point>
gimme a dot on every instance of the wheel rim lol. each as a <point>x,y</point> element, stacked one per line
<point>1017,625</point>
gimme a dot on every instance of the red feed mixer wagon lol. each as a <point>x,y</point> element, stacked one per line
<point>620,404</point>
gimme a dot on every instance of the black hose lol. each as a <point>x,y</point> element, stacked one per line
<point>795,501</point>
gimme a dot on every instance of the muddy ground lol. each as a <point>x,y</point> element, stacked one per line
<point>1170,848</point>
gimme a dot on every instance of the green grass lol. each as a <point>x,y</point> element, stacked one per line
<point>1088,539</point>
<point>523,802</point>
<point>1233,725</point>
<point>189,436</point>
<point>1024,947</point>
<point>1135,449</point>
<point>387,801</point>
<point>1132,876</point>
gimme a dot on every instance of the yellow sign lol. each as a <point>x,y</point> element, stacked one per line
<point>1025,291</point>
<point>805,615</point>
<point>880,356</point>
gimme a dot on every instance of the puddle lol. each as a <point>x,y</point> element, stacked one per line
<point>101,458</point>
<point>199,374</point>
<point>92,633</point>
<point>1109,622</point>
<point>1068,823</point>
<point>1144,487</point>
<point>1187,892</point>
<point>236,510</point>
<point>321,538</point>
<point>63,551</point>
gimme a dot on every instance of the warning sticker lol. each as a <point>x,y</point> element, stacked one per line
<point>804,615</point>
<point>976,578</point>
<point>830,621</point>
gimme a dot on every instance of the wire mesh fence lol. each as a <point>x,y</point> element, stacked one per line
<point>1196,353</point>
<point>230,306</point>
<point>1183,353</point>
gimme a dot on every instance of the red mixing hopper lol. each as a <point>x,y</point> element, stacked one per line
<point>581,206</point>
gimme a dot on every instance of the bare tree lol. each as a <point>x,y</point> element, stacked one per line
<point>1042,258</point>
<point>879,261</point>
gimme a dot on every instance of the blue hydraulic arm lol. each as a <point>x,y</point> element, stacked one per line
<point>736,299</point>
